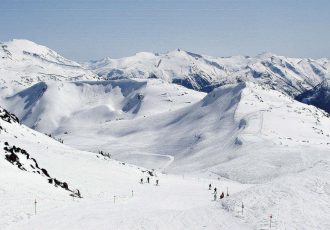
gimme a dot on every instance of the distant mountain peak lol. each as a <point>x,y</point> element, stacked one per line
<point>266,55</point>
<point>25,62</point>
<point>204,73</point>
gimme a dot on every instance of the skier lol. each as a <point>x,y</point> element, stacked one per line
<point>215,190</point>
<point>215,197</point>
<point>157,182</point>
<point>141,181</point>
<point>222,195</point>
<point>78,193</point>
<point>148,180</point>
<point>210,186</point>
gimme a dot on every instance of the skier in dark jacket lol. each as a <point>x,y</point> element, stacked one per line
<point>215,190</point>
<point>222,195</point>
<point>210,186</point>
<point>148,180</point>
<point>141,181</point>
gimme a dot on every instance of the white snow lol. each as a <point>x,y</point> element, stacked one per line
<point>179,202</point>
<point>23,63</point>
<point>270,151</point>
<point>232,133</point>
<point>202,72</point>
<point>56,107</point>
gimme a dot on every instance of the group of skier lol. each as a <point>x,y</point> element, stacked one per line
<point>148,181</point>
<point>222,195</point>
<point>215,192</point>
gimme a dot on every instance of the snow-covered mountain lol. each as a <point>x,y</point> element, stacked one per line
<point>201,72</point>
<point>181,130</point>
<point>319,96</point>
<point>23,63</point>
<point>248,136</point>
<point>243,132</point>
<point>58,107</point>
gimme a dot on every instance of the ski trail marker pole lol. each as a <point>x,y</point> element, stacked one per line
<point>35,207</point>
<point>242,208</point>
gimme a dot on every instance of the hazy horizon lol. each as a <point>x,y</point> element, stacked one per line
<point>85,30</point>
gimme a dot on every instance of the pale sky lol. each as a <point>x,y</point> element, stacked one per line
<point>87,30</point>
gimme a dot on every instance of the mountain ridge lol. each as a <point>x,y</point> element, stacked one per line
<point>23,62</point>
<point>204,73</point>
<point>319,96</point>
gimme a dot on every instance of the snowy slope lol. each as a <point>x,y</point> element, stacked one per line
<point>296,201</point>
<point>98,179</point>
<point>136,122</point>
<point>242,132</point>
<point>232,128</point>
<point>58,107</point>
<point>23,63</point>
<point>202,72</point>
<point>233,132</point>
